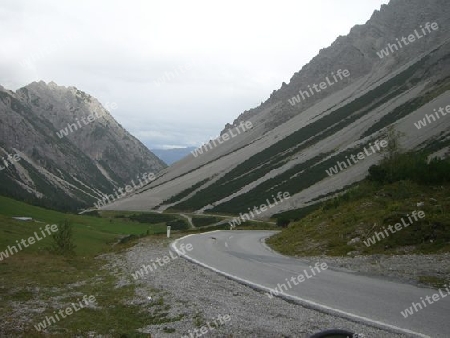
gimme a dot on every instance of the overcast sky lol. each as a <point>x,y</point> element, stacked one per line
<point>177,70</point>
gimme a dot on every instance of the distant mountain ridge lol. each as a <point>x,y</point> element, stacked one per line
<point>72,150</point>
<point>172,155</point>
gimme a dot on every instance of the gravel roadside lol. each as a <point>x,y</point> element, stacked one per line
<point>419,270</point>
<point>203,297</point>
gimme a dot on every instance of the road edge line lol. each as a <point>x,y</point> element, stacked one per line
<point>303,302</point>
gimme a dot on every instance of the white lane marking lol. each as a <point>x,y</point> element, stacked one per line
<point>314,305</point>
<point>226,244</point>
<point>230,237</point>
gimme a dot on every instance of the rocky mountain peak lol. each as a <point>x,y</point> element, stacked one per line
<point>71,145</point>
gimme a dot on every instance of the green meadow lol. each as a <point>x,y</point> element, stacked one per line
<point>36,282</point>
<point>32,279</point>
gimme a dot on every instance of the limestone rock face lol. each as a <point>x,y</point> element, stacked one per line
<point>357,52</point>
<point>293,145</point>
<point>71,169</point>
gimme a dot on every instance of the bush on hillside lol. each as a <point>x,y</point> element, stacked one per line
<point>413,167</point>
<point>63,240</point>
<point>283,222</point>
<point>178,224</point>
<point>151,218</point>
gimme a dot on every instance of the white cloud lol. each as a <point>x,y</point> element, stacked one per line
<point>225,57</point>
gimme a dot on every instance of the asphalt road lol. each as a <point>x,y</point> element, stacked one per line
<point>243,256</point>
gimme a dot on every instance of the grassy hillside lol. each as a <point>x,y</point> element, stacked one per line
<point>92,234</point>
<point>369,208</point>
<point>35,278</point>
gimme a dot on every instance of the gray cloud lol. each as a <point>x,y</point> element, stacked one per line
<point>177,70</point>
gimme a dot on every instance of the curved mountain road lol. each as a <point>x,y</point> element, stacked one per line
<point>243,256</point>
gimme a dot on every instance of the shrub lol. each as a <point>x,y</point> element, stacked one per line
<point>377,173</point>
<point>413,167</point>
<point>178,224</point>
<point>151,218</point>
<point>204,221</point>
<point>63,240</point>
<point>283,222</point>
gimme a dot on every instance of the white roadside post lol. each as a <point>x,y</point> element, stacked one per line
<point>168,231</point>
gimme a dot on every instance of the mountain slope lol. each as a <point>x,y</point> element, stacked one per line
<point>358,52</point>
<point>292,148</point>
<point>60,166</point>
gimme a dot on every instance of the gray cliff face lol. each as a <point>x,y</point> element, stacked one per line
<point>292,147</point>
<point>66,171</point>
<point>357,52</point>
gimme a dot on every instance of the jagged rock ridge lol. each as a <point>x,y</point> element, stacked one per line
<point>71,169</point>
